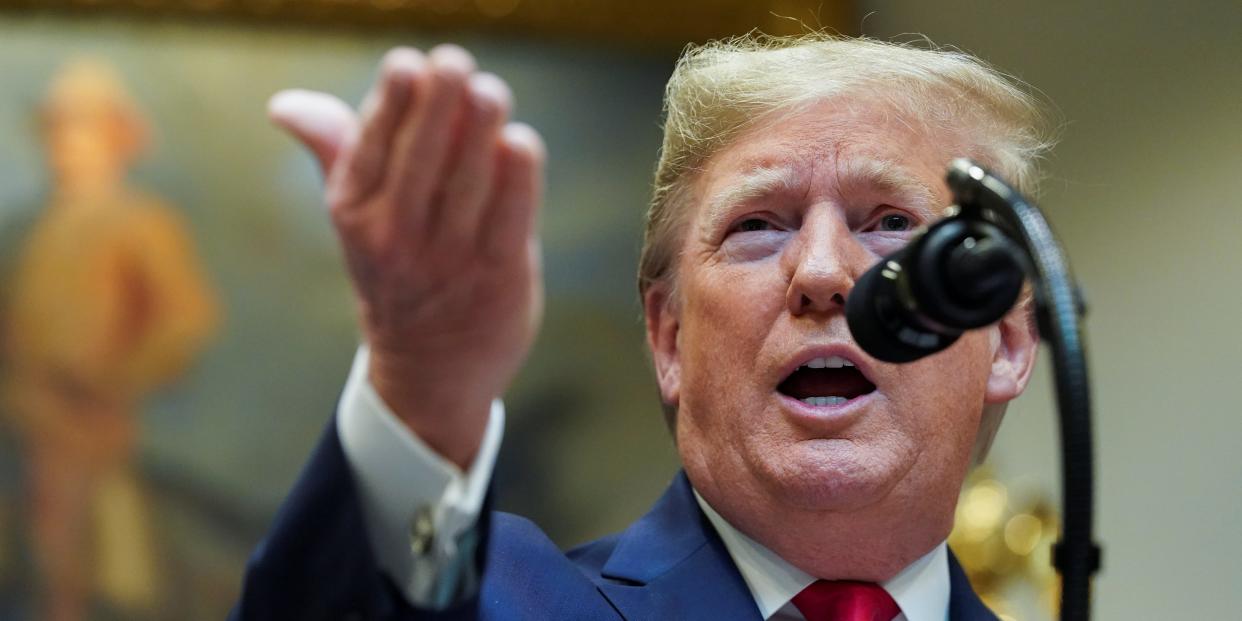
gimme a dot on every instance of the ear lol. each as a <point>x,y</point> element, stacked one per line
<point>1014,356</point>
<point>663,321</point>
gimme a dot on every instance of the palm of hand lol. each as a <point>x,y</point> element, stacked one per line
<point>434,199</point>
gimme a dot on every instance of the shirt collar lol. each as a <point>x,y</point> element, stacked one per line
<point>921,590</point>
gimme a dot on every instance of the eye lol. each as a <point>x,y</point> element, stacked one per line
<point>895,222</point>
<point>753,224</point>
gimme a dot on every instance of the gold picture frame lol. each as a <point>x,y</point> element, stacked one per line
<point>660,24</point>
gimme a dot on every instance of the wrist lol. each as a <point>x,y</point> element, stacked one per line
<point>442,410</point>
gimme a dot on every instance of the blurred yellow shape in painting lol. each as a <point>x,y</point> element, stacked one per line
<point>109,303</point>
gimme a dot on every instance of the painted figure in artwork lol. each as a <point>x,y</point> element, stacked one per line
<point>108,304</point>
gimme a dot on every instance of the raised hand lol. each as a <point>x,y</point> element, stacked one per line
<point>434,197</point>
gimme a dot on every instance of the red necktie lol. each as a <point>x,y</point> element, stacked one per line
<point>845,600</point>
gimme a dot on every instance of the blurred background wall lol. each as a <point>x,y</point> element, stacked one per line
<point>1142,190</point>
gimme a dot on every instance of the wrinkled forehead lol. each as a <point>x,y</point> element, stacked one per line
<point>849,143</point>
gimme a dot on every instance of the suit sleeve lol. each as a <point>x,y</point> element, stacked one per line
<point>420,510</point>
<point>363,492</point>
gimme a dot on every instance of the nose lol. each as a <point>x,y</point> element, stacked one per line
<point>821,264</point>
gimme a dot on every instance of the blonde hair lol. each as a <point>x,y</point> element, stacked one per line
<point>720,89</point>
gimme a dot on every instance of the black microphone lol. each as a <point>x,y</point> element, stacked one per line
<point>964,272</point>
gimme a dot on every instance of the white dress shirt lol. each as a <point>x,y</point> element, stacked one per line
<point>921,590</point>
<point>417,505</point>
<point>420,510</point>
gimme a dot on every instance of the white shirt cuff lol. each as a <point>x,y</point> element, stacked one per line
<point>417,505</point>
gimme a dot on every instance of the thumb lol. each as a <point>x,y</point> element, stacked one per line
<point>319,121</point>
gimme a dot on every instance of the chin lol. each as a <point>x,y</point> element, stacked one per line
<point>833,475</point>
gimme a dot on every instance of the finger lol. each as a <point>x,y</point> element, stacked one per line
<point>510,219</point>
<point>471,175</point>
<point>422,146</point>
<point>319,121</point>
<point>383,111</point>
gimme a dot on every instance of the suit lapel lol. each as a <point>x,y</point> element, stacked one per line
<point>671,564</point>
<point>964,605</point>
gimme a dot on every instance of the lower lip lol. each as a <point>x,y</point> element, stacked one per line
<point>842,413</point>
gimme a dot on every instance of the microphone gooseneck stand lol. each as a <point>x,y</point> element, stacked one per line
<point>1058,308</point>
<point>966,272</point>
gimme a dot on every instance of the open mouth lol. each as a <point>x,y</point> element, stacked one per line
<point>826,381</point>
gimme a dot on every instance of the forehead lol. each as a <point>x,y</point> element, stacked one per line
<point>842,141</point>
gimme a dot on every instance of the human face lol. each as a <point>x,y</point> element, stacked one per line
<point>785,220</point>
<point>89,142</point>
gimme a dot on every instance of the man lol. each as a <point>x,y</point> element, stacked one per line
<point>818,482</point>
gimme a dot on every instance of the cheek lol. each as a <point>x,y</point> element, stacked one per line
<point>948,391</point>
<point>715,344</point>
<point>729,311</point>
<point>727,317</point>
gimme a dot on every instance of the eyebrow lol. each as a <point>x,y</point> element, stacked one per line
<point>887,176</point>
<point>754,184</point>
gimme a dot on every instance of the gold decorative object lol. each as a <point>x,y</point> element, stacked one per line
<point>1005,543</point>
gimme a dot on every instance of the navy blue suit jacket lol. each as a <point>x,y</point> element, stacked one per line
<point>316,563</point>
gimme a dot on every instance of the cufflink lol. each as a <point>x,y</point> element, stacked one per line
<point>422,531</point>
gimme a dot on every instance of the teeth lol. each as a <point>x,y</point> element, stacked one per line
<point>831,362</point>
<point>824,401</point>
